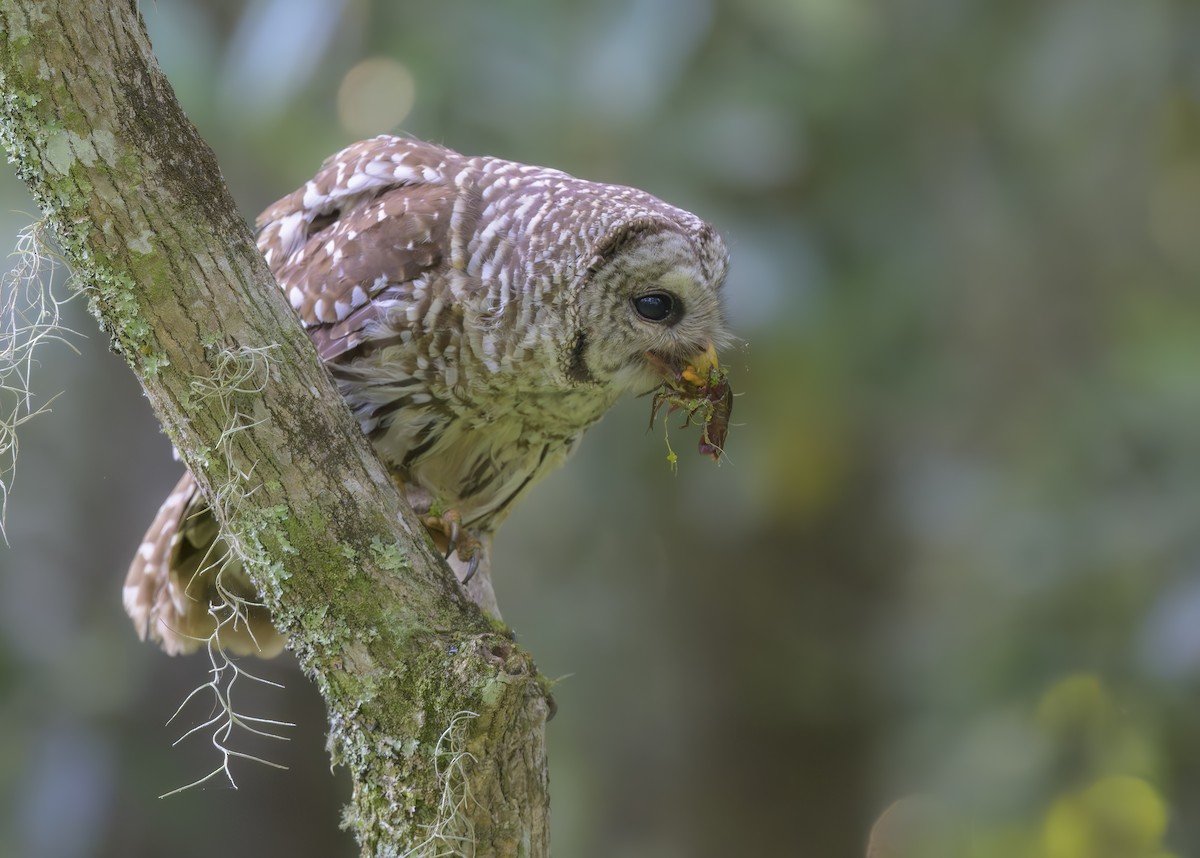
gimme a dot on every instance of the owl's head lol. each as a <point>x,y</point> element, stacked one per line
<point>651,301</point>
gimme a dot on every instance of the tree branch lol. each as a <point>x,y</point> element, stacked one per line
<point>439,717</point>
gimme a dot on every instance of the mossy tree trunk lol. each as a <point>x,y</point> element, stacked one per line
<point>403,660</point>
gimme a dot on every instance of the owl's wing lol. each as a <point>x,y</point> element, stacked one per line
<point>375,218</point>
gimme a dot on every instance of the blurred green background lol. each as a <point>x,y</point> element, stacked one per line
<point>955,548</point>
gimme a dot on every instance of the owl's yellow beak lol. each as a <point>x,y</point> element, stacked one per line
<point>699,370</point>
<point>694,373</point>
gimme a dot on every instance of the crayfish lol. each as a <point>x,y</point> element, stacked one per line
<point>701,390</point>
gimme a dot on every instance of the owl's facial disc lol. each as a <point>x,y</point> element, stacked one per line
<point>652,310</point>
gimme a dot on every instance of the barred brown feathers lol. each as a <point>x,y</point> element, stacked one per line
<point>477,315</point>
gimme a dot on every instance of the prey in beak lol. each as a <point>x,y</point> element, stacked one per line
<point>700,388</point>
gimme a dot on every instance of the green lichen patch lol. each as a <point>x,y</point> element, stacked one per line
<point>391,556</point>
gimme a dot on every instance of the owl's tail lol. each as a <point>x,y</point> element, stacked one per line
<point>185,590</point>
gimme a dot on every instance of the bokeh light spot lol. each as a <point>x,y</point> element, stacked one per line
<point>1076,704</point>
<point>375,96</point>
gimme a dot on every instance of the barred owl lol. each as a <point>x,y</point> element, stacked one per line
<point>477,315</point>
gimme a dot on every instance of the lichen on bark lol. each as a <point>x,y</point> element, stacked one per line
<point>411,670</point>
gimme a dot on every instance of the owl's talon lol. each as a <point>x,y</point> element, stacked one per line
<point>472,567</point>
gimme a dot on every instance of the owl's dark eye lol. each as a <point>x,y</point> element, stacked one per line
<point>655,307</point>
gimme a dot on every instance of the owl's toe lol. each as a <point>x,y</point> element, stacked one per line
<point>452,522</point>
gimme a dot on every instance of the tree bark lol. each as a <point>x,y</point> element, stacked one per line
<point>438,715</point>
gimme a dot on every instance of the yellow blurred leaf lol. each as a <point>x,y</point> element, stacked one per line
<point>1116,817</point>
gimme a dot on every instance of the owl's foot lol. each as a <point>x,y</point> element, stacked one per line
<point>445,527</point>
<point>457,539</point>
